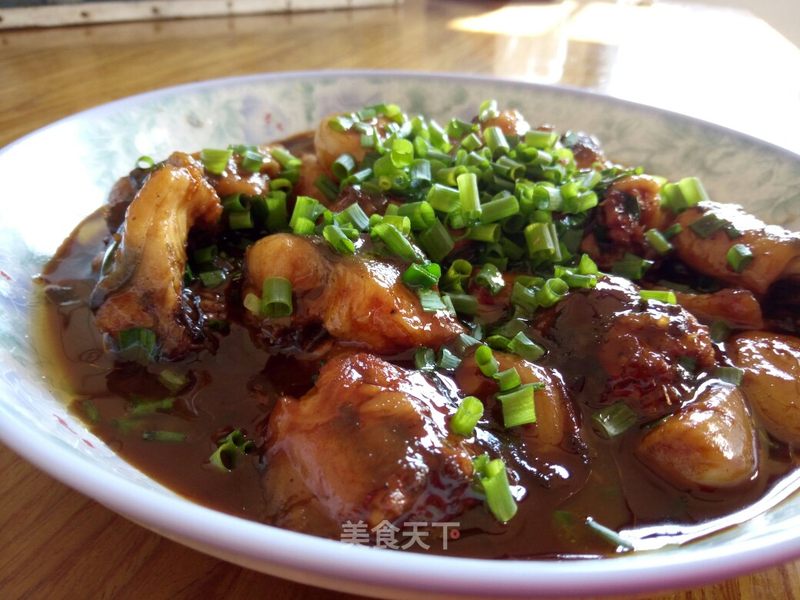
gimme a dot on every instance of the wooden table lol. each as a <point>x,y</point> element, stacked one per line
<point>57,543</point>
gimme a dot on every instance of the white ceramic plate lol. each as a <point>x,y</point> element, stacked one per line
<point>85,153</point>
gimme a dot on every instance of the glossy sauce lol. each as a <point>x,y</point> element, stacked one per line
<point>236,385</point>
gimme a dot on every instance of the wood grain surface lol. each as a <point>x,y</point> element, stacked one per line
<point>57,543</point>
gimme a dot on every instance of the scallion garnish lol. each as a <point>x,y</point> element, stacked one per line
<point>229,449</point>
<point>613,420</point>
<point>518,406</point>
<point>447,360</point>
<point>148,408</point>
<point>424,359</point>
<point>732,375</point>
<point>215,161</point>
<point>212,279</point>
<point>665,296</point>
<point>137,344</point>
<point>276,298</point>
<point>719,331</point>
<point>739,257</point>
<point>631,267</point>
<point>492,479</point>
<point>172,380</point>
<point>657,241</point>
<point>508,380</point>
<point>436,241</point>
<point>424,276</point>
<point>609,535</point>
<point>163,436</point>
<point>463,304</point>
<point>707,225</point>
<point>430,300</point>
<point>469,412</point>
<point>486,361</point>
<point>469,197</point>
<point>491,278</point>
<point>523,346</point>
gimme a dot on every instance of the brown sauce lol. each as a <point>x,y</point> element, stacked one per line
<point>236,385</point>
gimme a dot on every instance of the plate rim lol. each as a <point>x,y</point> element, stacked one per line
<point>335,561</point>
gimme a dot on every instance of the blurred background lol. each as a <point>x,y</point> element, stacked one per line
<point>732,62</point>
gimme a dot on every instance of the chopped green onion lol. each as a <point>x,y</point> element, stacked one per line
<point>498,342</point>
<point>523,346</point>
<point>496,140</point>
<point>420,214</point>
<point>343,166</point>
<point>396,242</point>
<point>486,361</point>
<point>499,209</point>
<point>657,241</point>
<point>443,198</point>
<point>491,278</point>
<point>541,139</point>
<point>431,301</point>
<point>145,162</point>
<point>424,276</point>
<point>739,256</point>
<point>285,158</point>
<point>688,363</point>
<point>447,360</point>
<point>252,161</point>
<point>707,225</point>
<point>485,233</point>
<point>731,375</point>
<point>464,304</point>
<point>719,331</point>
<point>354,215</point>
<point>586,266</point>
<point>212,279</point>
<point>240,220</point>
<point>551,292</point>
<point>90,410</point>
<point>205,255</point>
<point>469,412</point>
<point>518,406</point>
<point>471,142</point>
<point>305,207</point>
<point>680,196</point>
<point>665,296</point>
<point>469,196</point>
<point>508,380</point>
<point>277,218</point>
<point>173,381</point>
<point>539,238</point>
<point>576,280</point>
<point>328,188</point>
<point>609,535</point>
<point>459,272</point>
<point>276,297</point>
<point>523,297</point>
<point>163,436</point>
<point>673,230</point>
<point>457,128</point>
<point>340,123</point>
<point>338,240</point>
<point>631,266</point>
<point>464,342</point>
<point>137,344</point>
<point>215,161</point>
<point>436,241</point>
<point>229,449</point>
<point>303,226</point>
<point>613,420</point>
<point>424,359</point>
<point>493,480</point>
<point>148,408</point>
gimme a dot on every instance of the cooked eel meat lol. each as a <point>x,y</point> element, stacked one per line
<point>368,443</point>
<point>144,285</point>
<point>708,444</point>
<point>771,381</point>
<point>776,251</point>
<point>357,299</point>
<point>621,347</point>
